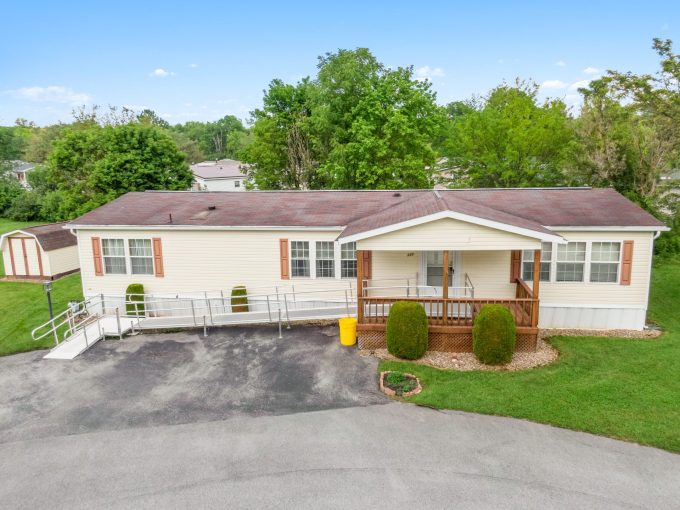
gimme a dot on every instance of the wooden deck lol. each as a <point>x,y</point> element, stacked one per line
<point>450,319</point>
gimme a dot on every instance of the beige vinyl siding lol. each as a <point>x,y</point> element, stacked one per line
<point>61,260</point>
<point>489,272</point>
<point>394,269</point>
<point>206,260</point>
<point>448,234</point>
<point>6,260</point>
<point>587,293</point>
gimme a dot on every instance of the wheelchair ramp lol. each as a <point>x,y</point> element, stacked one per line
<point>86,337</point>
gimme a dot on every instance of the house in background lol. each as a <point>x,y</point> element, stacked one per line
<point>556,257</point>
<point>20,170</point>
<point>43,252</point>
<point>221,175</point>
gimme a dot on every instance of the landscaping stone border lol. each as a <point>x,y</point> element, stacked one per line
<point>391,393</point>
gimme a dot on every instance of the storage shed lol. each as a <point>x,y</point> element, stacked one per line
<point>43,252</point>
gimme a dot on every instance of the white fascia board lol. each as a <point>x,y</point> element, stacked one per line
<point>73,227</point>
<point>612,229</point>
<point>8,234</point>
<point>455,216</point>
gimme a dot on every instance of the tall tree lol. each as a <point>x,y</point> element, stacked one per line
<point>89,167</point>
<point>509,139</point>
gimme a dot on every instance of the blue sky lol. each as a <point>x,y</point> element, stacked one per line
<point>202,60</point>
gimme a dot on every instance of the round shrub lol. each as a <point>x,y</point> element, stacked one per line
<point>406,330</point>
<point>239,299</point>
<point>134,297</point>
<point>494,335</point>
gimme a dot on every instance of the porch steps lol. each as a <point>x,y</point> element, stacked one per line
<point>86,337</point>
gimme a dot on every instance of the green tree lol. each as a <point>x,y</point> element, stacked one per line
<point>389,142</point>
<point>508,139</point>
<point>91,166</point>
<point>357,125</point>
<point>629,129</point>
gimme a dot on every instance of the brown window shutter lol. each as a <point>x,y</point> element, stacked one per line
<point>158,257</point>
<point>285,267</point>
<point>368,264</point>
<point>626,262</point>
<point>97,256</point>
<point>515,265</point>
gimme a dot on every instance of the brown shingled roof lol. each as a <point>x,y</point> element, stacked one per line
<point>360,211</point>
<point>52,236</point>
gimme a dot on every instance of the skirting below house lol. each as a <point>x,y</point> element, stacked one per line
<point>443,339</point>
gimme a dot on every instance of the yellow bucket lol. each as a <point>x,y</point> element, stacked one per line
<point>348,331</point>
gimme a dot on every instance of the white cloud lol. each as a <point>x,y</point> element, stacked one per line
<point>193,66</point>
<point>51,94</point>
<point>579,84</point>
<point>592,70</point>
<point>427,73</point>
<point>500,61</point>
<point>161,73</point>
<point>553,84</point>
<point>561,63</point>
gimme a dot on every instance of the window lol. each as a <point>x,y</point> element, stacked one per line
<point>348,260</point>
<point>528,263</point>
<point>113,251</point>
<point>435,269</point>
<point>299,258</point>
<point>571,259</point>
<point>325,259</point>
<point>141,256</point>
<point>604,262</point>
<point>237,184</point>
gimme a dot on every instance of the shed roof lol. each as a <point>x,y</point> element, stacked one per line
<point>533,209</point>
<point>51,236</point>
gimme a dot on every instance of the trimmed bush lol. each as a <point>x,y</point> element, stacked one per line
<point>406,330</point>
<point>494,335</point>
<point>135,293</point>
<point>239,299</point>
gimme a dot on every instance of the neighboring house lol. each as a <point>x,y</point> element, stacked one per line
<point>584,254</point>
<point>20,170</point>
<point>221,175</point>
<point>43,252</point>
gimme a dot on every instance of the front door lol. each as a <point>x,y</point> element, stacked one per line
<point>434,272</point>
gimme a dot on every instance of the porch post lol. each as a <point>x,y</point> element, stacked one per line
<point>360,286</point>
<point>445,278</point>
<point>535,289</point>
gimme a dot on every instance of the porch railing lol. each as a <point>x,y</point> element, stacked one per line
<point>455,311</point>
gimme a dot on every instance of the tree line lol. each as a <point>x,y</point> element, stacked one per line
<point>358,124</point>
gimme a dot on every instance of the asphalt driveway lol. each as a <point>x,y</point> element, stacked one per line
<point>244,420</point>
<point>166,379</point>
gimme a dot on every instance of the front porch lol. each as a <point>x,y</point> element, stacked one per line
<point>452,310</point>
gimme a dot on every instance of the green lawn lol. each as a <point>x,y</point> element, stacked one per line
<point>23,305</point>
<point>626,389</point>
<point>9,225</point>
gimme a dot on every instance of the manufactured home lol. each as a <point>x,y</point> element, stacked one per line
<point>556,257</point>
<point>43,252</point>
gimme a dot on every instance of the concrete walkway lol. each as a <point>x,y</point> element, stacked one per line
<point>362,457</point>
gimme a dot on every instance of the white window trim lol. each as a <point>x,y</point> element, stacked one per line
<point>125,256</point>
<point>128,258</point>
<point>553,256</point>
<point>337,260</point>
<point>312,259</point>
<point>619,262</point>
<point>587,262</point>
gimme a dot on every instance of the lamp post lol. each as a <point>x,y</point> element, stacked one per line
<point>48,290</point>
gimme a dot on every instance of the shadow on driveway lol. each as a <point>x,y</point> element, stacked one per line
<point>173,378</point>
